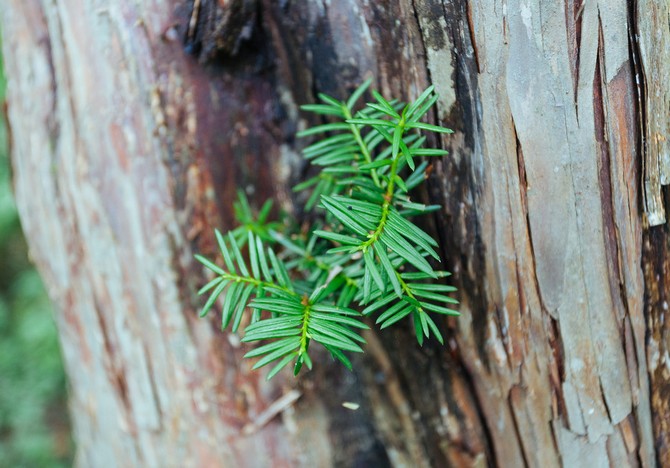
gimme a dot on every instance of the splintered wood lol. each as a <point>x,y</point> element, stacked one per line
<point>654,44</point>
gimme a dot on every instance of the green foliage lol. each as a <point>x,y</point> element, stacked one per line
<point>34,428</point>
<point>364,256</point>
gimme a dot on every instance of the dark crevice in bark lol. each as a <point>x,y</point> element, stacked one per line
<point>574,10</point>
<point>471,30</point>
<point>465,112</point>
<point>523,189</point>
<point>635,55</point>
<point>53,124</point>
<point>218,29</point>
<point>461,195</point>
<point>515,422</point>
<point>118,380</point>
<point>559,409</point>
<point>615,278</point>
<point>191,45</point>
<point>116,375</point>
<point>604,399</point>
<point>154,389</point>
<point>559,359</point>
<point>523,304</point>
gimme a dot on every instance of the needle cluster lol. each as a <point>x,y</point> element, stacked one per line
<point>363,255</point>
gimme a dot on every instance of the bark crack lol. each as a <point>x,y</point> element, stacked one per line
<point>523,194</point>
<point>515,424</point>
<point>154,390</point>
<point>574,20</point>
<point>471,30</point>
<point>601,119</point>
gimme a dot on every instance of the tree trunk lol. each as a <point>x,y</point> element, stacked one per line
<point>133,123</point>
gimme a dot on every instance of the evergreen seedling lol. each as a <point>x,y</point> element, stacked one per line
<point>364,255</point>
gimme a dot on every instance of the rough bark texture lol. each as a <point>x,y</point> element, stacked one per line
<point>653,40</point>
<point>134,122</point>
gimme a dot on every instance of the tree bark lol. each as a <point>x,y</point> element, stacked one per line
<point>133,123</point>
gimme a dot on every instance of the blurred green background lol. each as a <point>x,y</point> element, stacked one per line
<point>34,426</point>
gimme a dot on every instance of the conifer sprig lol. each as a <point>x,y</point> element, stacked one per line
<point>364,256</point>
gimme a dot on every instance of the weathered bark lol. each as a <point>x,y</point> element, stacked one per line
<point>134,122</point>
<point>653,38</point>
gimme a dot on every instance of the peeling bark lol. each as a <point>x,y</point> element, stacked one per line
<point>138,121</point>
<point>653,44</point>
